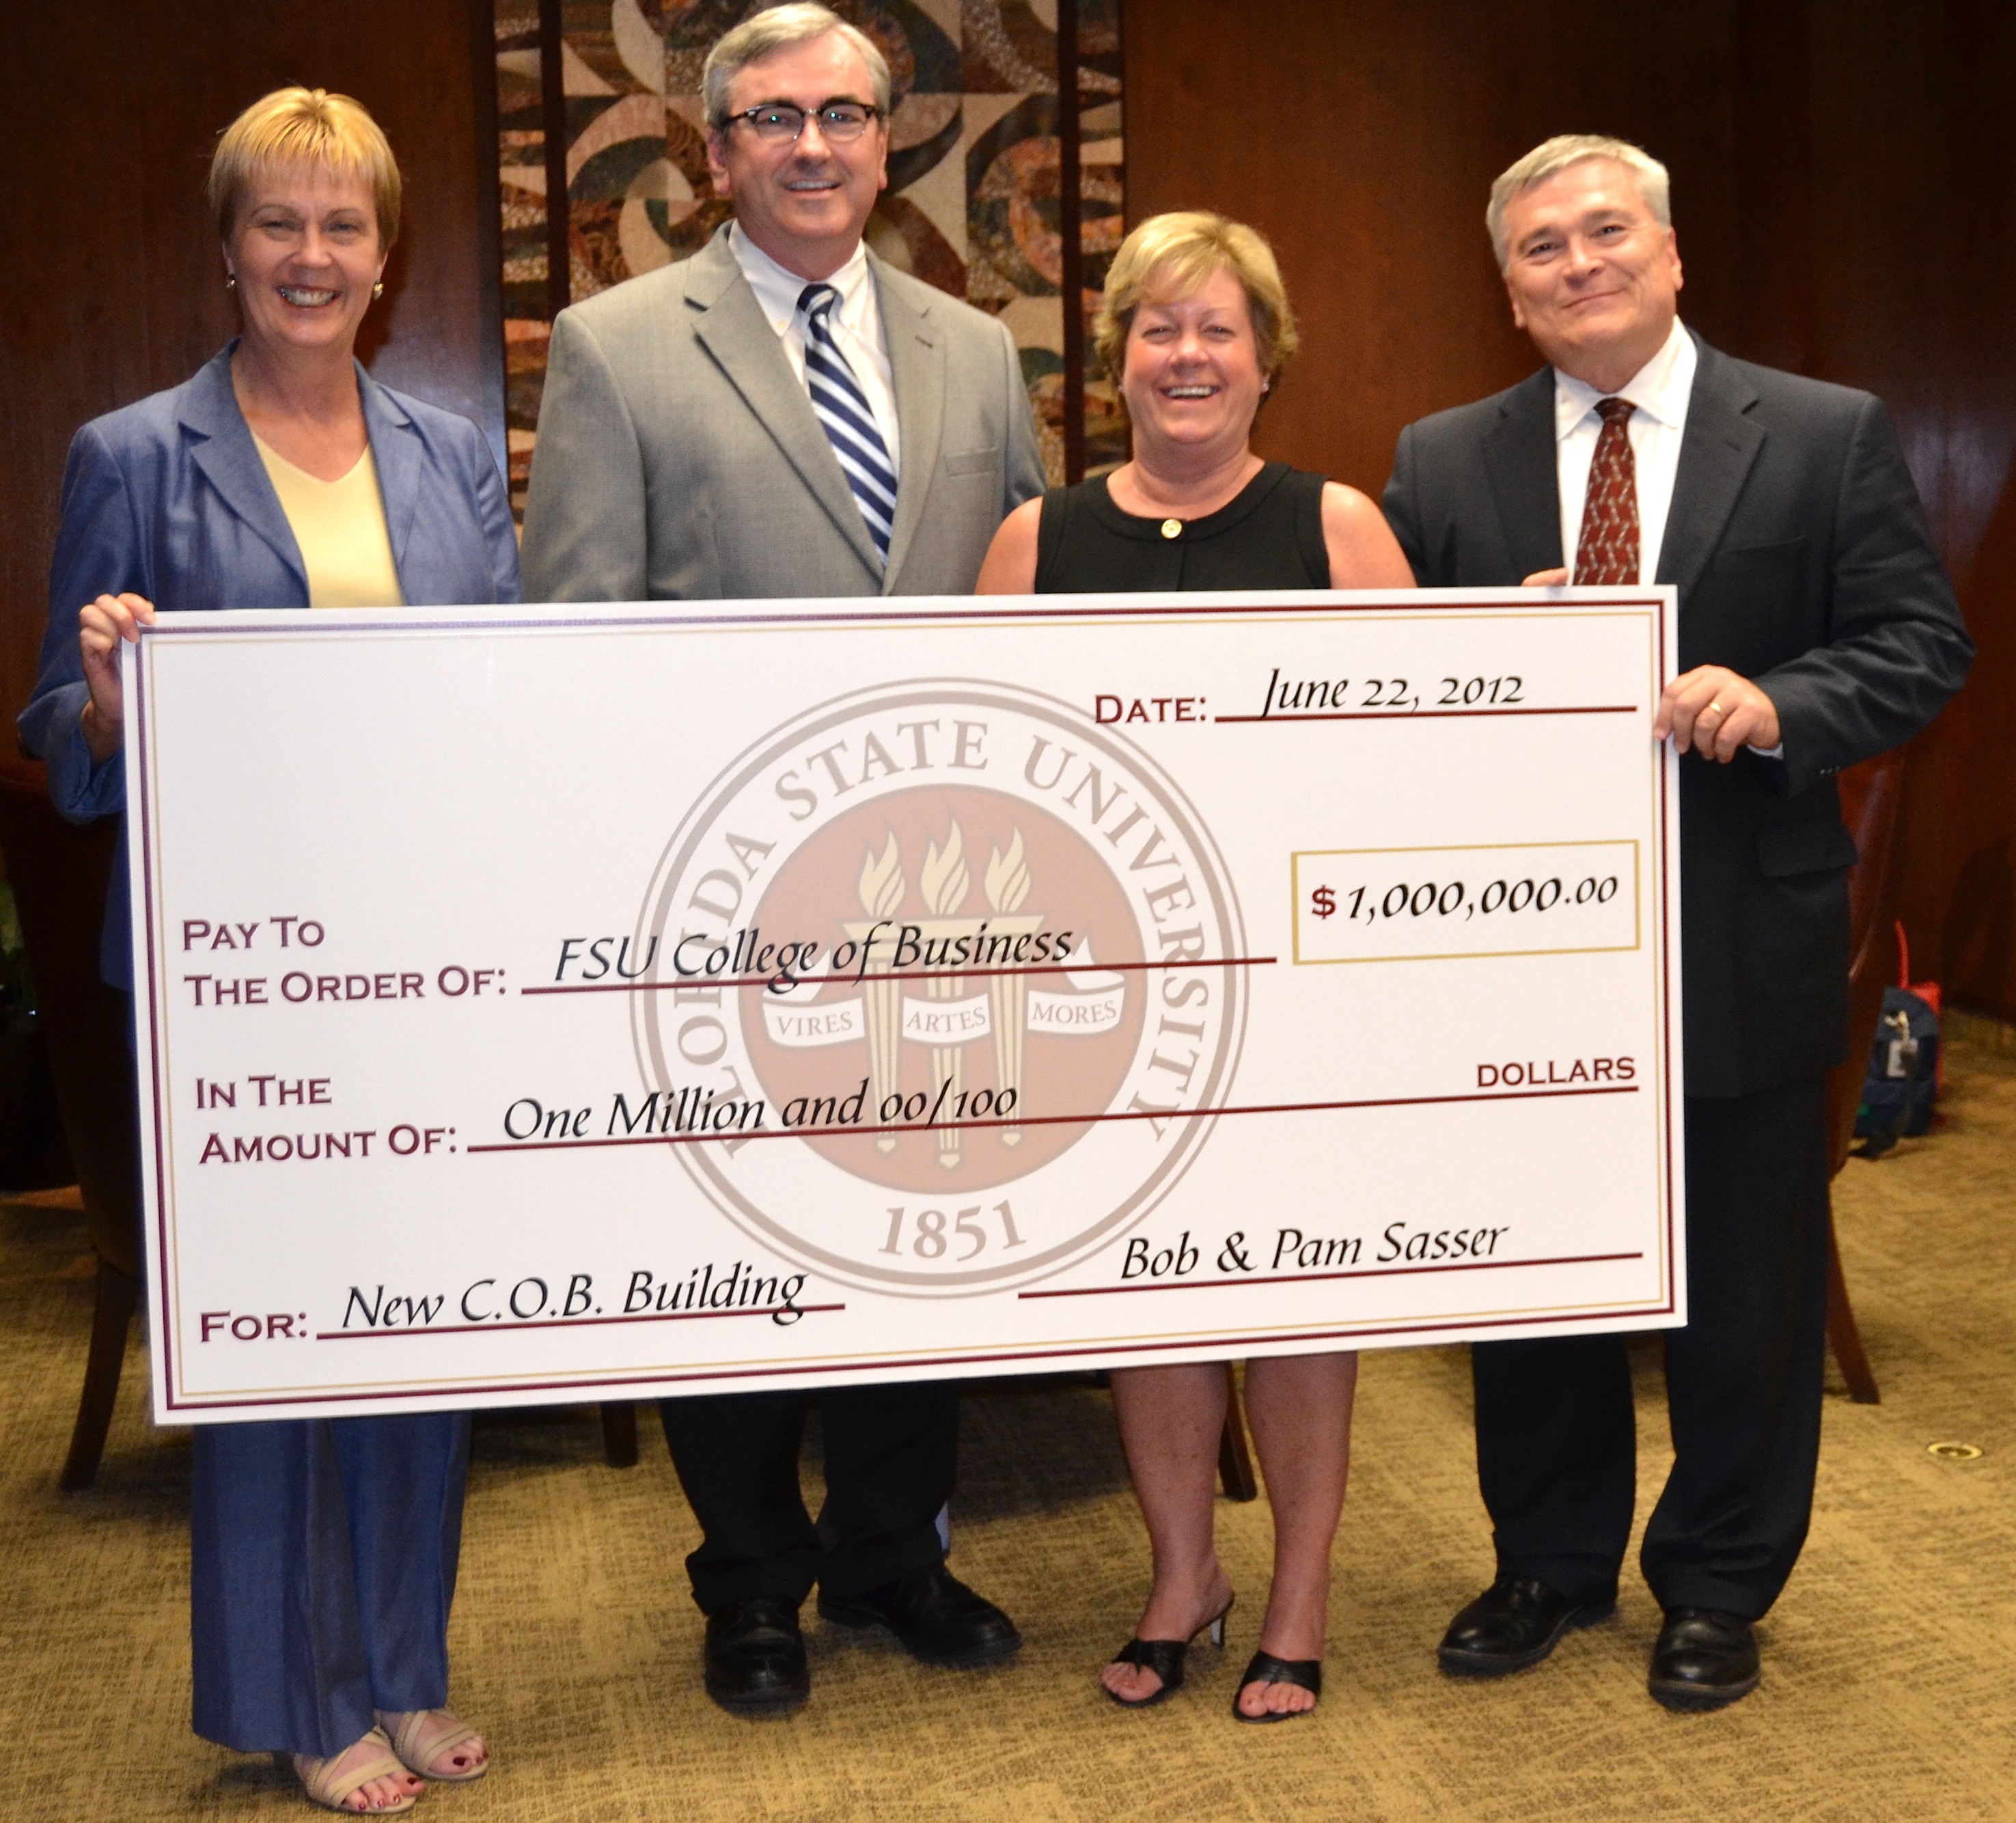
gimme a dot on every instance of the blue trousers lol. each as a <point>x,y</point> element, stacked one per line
<point>323,1561</point>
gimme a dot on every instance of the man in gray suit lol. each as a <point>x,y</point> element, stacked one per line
<point>1817,627</point>
<point>785,414</point>
<point>684,449</point>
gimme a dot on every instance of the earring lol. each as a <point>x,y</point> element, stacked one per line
<point>378,290</point>
<point>231,282</point>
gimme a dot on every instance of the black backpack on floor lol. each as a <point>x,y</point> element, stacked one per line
<point>1903,1085</point>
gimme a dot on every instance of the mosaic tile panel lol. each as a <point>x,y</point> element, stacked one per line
<point>973,205</point>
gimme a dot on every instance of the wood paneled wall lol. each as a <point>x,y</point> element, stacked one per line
<point>1845,189</point>
<point>1844,186</point>
<point>112,287</point>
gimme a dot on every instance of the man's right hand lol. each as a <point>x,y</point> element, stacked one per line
<point>1547,579</point>
<point>101,625</point>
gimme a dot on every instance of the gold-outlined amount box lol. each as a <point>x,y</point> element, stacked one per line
<point>1298,856</point>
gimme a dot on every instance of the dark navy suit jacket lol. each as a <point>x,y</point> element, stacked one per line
<point>168,498</point>
<point>1803,563</point>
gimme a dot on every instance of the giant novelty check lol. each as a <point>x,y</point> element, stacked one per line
<point>559,1004</point>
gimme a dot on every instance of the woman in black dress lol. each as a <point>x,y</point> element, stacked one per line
<point>1197,325</point>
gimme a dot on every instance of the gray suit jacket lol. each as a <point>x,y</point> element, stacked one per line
<point>678,458</point>
<point>1803,561</point>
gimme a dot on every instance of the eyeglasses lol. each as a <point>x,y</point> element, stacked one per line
<point>777,123</point>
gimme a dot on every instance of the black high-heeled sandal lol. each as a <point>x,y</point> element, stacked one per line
<point>1305,1673</point>
<point>1164,1657</point>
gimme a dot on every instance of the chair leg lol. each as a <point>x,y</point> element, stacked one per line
<point>1235,1461</point>
<point>1842,1331</point>
<point>110,1319</point>
<point>619,1433</point>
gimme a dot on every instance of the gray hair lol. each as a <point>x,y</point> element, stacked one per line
<point>1557,154</point>
<point>772,30</point>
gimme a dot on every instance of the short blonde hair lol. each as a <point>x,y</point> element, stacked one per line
<point>294,127</point>
<point>1171,257</point>
<point>1557,154</point>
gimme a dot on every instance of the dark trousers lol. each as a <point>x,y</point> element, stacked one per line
<point>890,1452</point>
<point>322,1565</point>
<point>1555,1433</point>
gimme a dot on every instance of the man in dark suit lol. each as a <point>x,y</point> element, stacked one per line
<point>1816,627</point>
<point>784,414</point>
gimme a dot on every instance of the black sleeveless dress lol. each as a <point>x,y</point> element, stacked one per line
<point>1268,535</point>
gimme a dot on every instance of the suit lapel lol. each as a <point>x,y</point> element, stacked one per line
<point>222,447</point>
<point>1717,449</point>
<point>400,460</point>
<point>916,368</point>
<point>1519,458</point>
<point>730,325</point>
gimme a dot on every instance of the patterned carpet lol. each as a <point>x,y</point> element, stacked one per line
<point>1888,1674</point>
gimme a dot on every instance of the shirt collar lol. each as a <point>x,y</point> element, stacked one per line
<point>778,291</point>
<point>1660,389</point>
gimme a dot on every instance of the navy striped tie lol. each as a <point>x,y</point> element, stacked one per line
<point>842,407</point>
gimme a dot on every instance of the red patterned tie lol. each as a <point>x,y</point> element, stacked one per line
<point>1608,552</point>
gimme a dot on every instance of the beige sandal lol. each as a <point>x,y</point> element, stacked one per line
<point>328,1787</point>
<point>420,1755</point>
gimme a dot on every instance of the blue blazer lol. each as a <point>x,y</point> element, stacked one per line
<point>168,498</point>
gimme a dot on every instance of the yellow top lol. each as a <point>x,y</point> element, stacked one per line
<point>340,528</point>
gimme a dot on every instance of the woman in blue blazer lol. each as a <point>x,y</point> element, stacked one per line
<point>281,475</point>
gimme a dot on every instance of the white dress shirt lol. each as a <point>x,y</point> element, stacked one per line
<point>1660,389</point>
<point>857,326</point>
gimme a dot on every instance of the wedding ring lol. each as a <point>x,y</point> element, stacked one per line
<point>1718,708</point>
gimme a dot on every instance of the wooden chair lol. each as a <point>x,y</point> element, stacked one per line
<point>1235,1461</point>
<point>619,1433</point>
<point>1871,794</point>
<point>58,872</point>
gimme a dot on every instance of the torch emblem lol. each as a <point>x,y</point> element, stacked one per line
<point>944,996</point>
<point>1020,1018</point>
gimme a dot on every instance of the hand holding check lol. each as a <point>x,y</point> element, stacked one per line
<point>1709,708</point>
<point>102,624</point>
<point>1717,712</point>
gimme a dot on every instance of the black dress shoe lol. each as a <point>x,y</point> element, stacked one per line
<point>756,1657</point>
<point>1705,1659</point>
<point>935,1616</point>
<point>1515,1622</point>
